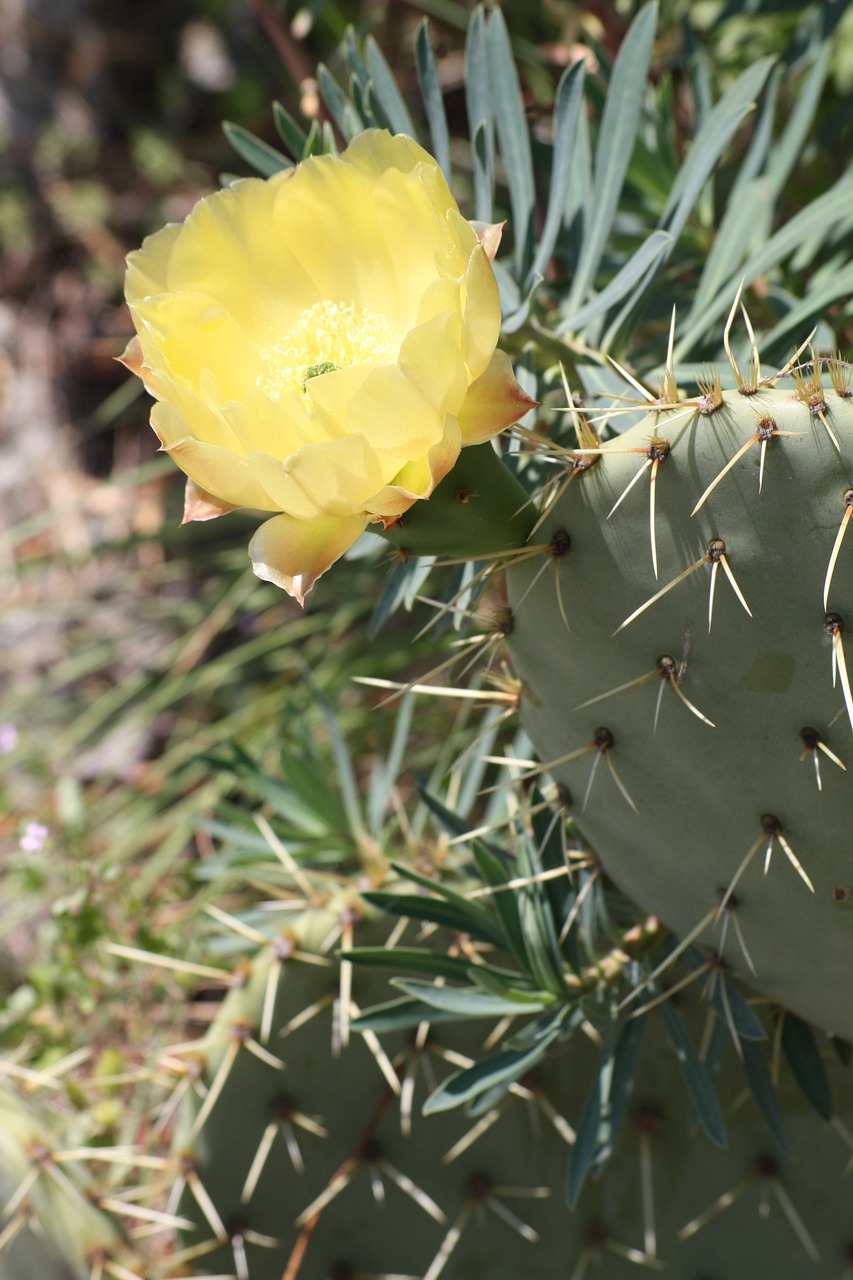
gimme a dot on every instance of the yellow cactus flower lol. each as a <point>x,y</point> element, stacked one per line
<point>321,344</point>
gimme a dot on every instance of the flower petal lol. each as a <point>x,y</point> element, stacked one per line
<point>416,480</point>
<point>200,505</point>
<point>431,358</point>
<point>334,478</point>
<point>192,334</point>
<point>219,472</point>
<point>493,402</point>
<point>482,322</point>
<point>293,554</point>
<point>382,405</point>
<point>148,266</point>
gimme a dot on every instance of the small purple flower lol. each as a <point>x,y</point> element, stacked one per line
<point>34,837</point>
<point>8,738</point>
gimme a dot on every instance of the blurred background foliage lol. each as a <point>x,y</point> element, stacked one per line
<point>134,652</point>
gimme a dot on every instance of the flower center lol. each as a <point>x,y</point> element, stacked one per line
<point>327,336</point>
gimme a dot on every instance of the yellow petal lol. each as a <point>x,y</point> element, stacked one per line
<point>235,247</point>
<point>183,413</point>
<point>416,480</point>
<point>190,334</point>
<point>493,402</point>
<point>482,323</point>
<point>148,266</point>
<point>220,472</point>
<point>277,427</point>
<point>382,405</point>
<point>294,553</point>
<point>333,478</point>
<point>431,358</point>
<point>376,151</point>
<point>440,295</point>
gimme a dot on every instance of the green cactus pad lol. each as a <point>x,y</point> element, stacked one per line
<point>683,815</point>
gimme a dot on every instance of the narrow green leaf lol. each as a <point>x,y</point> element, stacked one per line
<point>505,902</point>
<point>695,1076</point>
<point>313,143</point>
<point>387,90</point>
<point>657,244</point>
<point>447,908</point>
<point>616,137</point>
<point>744,213</point>
<point>380,800</point>
<point>800,1048</point>
<point>508,1064</point>
<point>761,1087</point>
<point>625,1058</point>
<point>588,1135</point>
<point>704,152</point>
<point>509,986</point>
<point>789,148</point>
<point>467,1002</point>
<point>537,924</point>
<point>399,1015</point>
<point>816,219</point>
<point>478,101</point>
<point>711,142</point>
<point>329,146</point>
<point>291,134</point>
<point>728,1002</point>
<point>762,136</point>
<point>815,303</point>
<point>353,58</point>
<point>260,155</point>
<point>513,137</point>
<point>567,110</point>
<point>432,963</point>
<point>733,1010</point>
<point>433,97</point>
<point>585,1144</point>
<point>324,810</point>
<point>340,108</point>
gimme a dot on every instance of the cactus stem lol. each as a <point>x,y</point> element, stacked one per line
<point>839,537</point>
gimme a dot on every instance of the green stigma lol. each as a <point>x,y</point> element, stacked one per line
<point>315,371</point>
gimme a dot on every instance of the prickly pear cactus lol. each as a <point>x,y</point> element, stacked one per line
<point>47,1188</point>
<point>684,669</point>
<point>302,1154</point>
